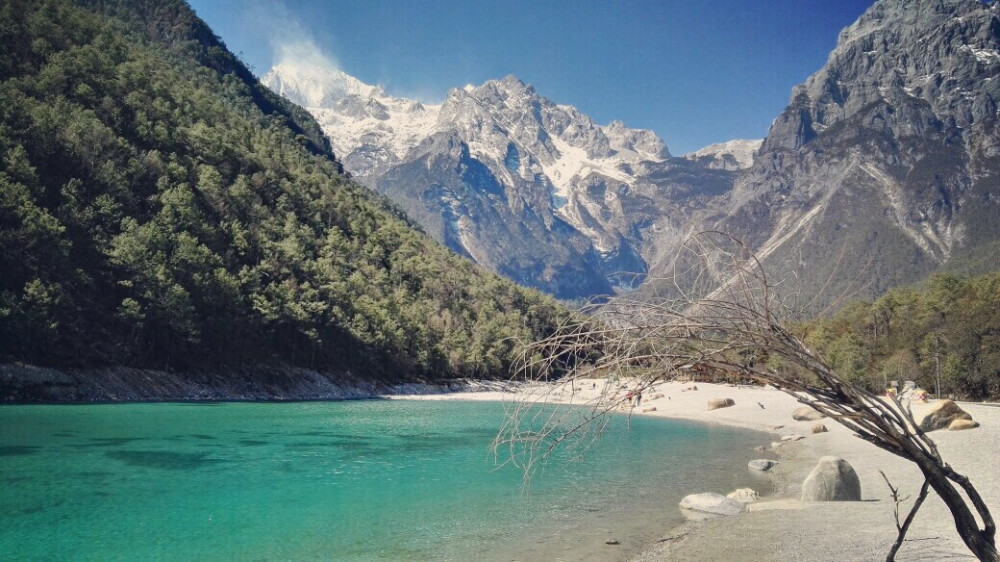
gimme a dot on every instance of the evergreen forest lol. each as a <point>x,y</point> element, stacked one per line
<point>159,208</point>
<point>943,335</point>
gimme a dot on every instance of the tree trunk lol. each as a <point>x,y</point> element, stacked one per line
<point>979,541</point>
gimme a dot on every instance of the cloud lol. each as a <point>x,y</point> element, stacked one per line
<point>290,41</point>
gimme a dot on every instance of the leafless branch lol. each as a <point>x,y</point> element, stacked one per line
<point>904,526</point>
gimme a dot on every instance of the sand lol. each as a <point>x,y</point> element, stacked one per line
<point>779,526</point>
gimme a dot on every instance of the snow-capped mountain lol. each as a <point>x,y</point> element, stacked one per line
<point>530,188</point>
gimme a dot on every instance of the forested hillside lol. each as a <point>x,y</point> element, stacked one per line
<point>948,330</point>
<point>160,209</point>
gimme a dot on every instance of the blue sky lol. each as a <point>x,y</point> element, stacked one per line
<point>694,71</point>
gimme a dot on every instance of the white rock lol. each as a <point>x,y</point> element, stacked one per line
<point>743,495</point>
<point>807,413</point>
<point>762,465</point>
<point>713,503</point>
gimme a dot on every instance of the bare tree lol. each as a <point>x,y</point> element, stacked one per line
<point>734,330</point>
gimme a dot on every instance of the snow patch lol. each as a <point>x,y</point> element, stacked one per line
<point>742,151</point>
<point>571,163</point>
<point>985,56</point>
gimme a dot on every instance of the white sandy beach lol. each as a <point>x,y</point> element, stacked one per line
<point>778,526</point>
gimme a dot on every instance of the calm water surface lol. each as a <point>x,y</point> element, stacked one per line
<point>353,481</point>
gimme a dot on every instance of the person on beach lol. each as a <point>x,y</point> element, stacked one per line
<point>638,398</point>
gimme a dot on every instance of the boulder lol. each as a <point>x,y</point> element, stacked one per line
<point>762,465</point>
<point>743,495</point>
<point>647,410</point>
<point>807,413</point>
<point>657,396</point>
<point>776,444</point>
<point>940,415</point>
<point>709,502</point>
<point>833,479</point>
<point>716,403</point>
<point>960,424</point>
<point>819,428</point>
<point>793,437</point>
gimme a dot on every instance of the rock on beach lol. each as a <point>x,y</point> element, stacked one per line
<point>762,465</point>
<point>713,503</point>
<point>807,413</point>
<point>960,424</point>
<point>833,479</point>
<point>940,416</point>
<point>716,403</point>
<point>743,495</point>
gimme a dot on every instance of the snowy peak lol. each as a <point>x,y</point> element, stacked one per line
<point>512,110</point>
<point>643,142</point>
<point>311,86</point>
<point>730,155</point>
<point>369,129</point>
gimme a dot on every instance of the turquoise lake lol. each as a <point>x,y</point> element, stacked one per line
<point>352,481</point>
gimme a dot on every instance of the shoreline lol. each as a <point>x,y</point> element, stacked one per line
<point>773,528</point>
<point>29,384</point>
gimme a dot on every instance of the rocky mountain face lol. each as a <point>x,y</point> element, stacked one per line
<point>885,166</point>
<point>534,190</point>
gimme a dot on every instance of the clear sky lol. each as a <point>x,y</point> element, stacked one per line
<point>694,71</point>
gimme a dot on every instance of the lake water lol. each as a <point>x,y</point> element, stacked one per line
<point>352,481</point>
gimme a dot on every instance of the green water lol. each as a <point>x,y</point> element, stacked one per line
<point>363,480</point>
